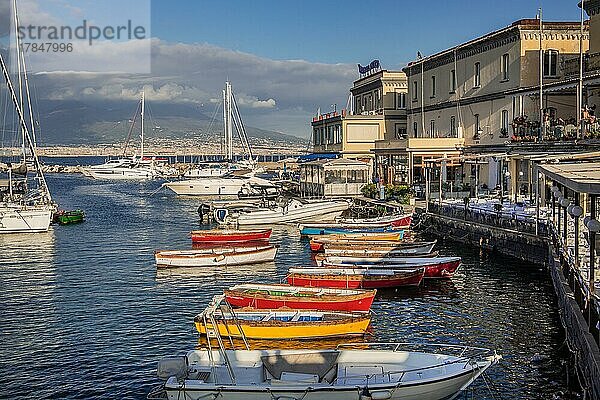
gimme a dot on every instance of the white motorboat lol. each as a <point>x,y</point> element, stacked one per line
<point>359,371</point>
<point>294,210</point>
<point>215,256</point>
<point>25,202</point>
<point>228,185</point>
<point>122,169</point>
<point>133,168</point>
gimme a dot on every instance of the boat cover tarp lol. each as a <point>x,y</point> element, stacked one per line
<point>303,363</point>
<point>317,156</point>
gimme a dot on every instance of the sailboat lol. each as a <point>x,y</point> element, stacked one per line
<point>25,202</point>
<point>227,180</point>
<point>132,168</point>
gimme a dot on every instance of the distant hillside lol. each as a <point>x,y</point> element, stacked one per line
<point>74,122</point>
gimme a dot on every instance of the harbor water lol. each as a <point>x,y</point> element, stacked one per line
<point>86,314</point>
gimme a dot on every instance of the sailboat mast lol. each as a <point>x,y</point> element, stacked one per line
<point>228,123</point>
<point>542,122</point>
<point>19,78</point>
<point>224,142</point>
<point>142,124</point>
<point>27,138</point>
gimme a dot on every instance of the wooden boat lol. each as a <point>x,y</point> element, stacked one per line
<point>215,256</point>
<point>359,371</point>
<point>230,236</point>
<point>386,222</point>
<point>379,240</point>
<point>400,249</point>
<point>435,267</point>
<point>284,323</point>
<point>69,217</point>
<point>277,296</point>
<point>354,278</point>
<point>320,257</point>
<point>328,229</point>
<point>401,220</point>
<point>362,236</point>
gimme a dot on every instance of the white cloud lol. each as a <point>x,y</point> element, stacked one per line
<point>274,94</point>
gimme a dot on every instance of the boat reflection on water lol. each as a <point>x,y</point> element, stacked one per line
<point>19,250</point>
<point>234,273</point>
<point>288,344</point>
<point>428,288</point>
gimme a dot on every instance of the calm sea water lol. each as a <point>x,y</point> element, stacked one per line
<point>85,314</point>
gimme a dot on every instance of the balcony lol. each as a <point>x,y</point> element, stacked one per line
<point>557,129</point>
<point>591,63</point>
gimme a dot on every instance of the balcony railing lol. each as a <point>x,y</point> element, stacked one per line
<point>591,63</point>
<point>556,129</point>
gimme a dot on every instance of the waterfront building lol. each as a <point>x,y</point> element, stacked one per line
<point>376,111</point>
<point>332,178</point>
<point>481,100</point>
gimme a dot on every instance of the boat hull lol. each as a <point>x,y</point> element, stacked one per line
<point>25,220</point>
<point>280,330</point>
<point>357,280</point>
<point>122,174</point>
<point>230,236</point>
<point>399,250</point>
<point>435,267</point>
<point>353,302</point>
<point>218,259</point>
<point>359,375</point>
<point>306,212</point>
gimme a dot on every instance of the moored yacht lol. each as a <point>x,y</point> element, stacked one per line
<point>128,168</point>
<point>25,202</point>
<point>361,371</point>
<point>293,210</point>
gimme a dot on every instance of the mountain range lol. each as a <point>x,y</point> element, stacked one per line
<point>71,122</point>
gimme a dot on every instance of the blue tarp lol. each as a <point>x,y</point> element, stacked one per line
<point>318,156</point>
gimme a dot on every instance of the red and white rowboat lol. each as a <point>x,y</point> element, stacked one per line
<point>229,236</point>
<point>299,298</point>
<point>354,278</point>
<point>215,257</point>
<point>436,267</point>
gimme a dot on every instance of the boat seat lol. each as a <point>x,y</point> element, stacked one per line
<point>318,363</point>
<point>351,374</point>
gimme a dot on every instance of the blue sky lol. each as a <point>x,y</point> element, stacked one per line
<point>343,31</point>
<point>285,59</point>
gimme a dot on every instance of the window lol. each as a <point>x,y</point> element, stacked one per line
<point>316,136</point>
<point>358,106</point>
<point>415,129</point>
<point>504,124</point>
<point>432,128</point>
<point>377,99</point>
<point>415,90</point>
<point>504,67</point>
<point>400,100</point>
<point>453,81</point>
<point>400,131</point>
<point>433,86</point>
<point>453,126</point>
<point>477,127</point>
<point>477,80</point>
<point>550,63</point>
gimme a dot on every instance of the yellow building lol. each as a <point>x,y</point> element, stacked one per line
<point>479,97</point>
<point>376,111</point>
